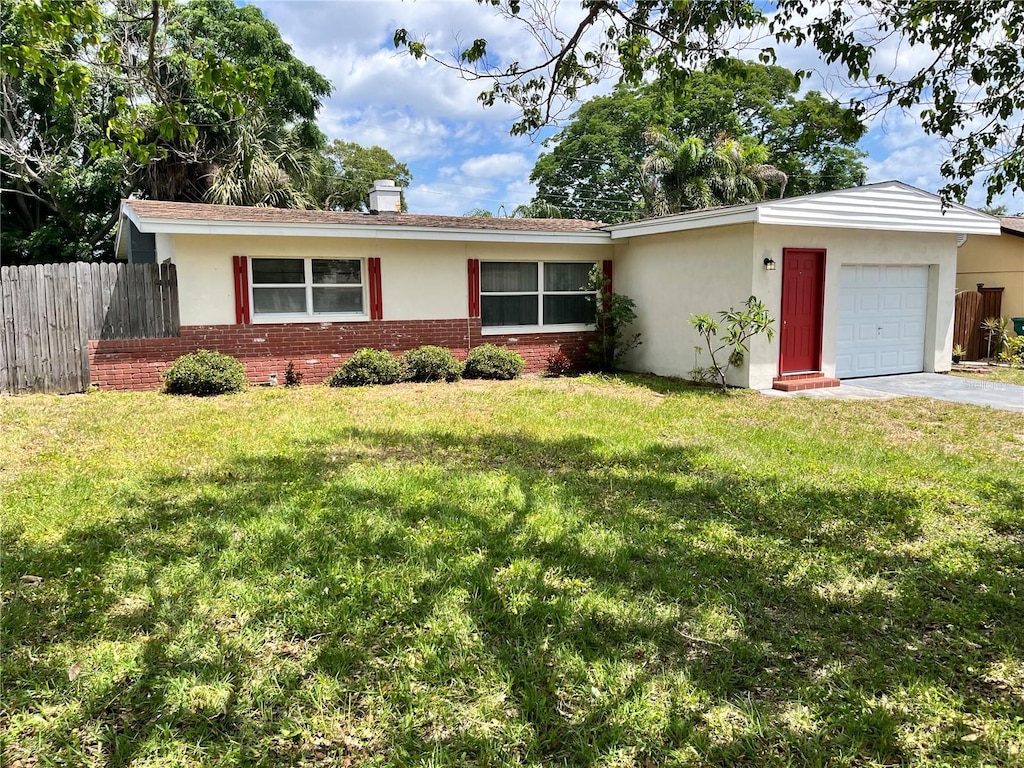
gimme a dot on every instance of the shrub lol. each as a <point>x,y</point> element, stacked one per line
<point>367,366</point>
<point>559,364</point>
<point>489,361</point>
<point>203,373</point>
<point>1014,354</point>
<point>431,363</point>
<point>728,339</point>
<point>292,377</point>
<point>613,313</point>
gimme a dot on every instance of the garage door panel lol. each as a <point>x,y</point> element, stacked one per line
<point>885,308</point>
<point>888,358</point>
<point>912,330</point>
<point>866,302</point>
<point>866,331</point>
<point>865,362</point>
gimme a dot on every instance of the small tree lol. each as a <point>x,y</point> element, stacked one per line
<point>612,313</point>
<point>729,336</point>
<point>997,333</point>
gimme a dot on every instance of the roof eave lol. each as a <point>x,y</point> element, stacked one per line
<point>368,231</point>
<point>720,217</point>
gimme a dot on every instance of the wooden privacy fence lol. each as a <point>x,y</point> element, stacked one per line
<point>49,312</point>
<point>972,308</point>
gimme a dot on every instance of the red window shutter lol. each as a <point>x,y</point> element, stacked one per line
<point>241,268</point>
<point>376,294</point>
<point>606,267</point>
<point>474,287</point>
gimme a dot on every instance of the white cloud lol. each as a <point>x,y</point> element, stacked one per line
<point>505,165</point>
<point>460,153</point>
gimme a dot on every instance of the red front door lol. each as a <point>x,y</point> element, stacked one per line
<point>803,294</point>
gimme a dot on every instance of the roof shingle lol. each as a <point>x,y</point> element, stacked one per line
<point>159,209</point>
<point>1012,224</point>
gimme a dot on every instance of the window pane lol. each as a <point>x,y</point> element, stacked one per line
<point>559,310</point>
<point>278,271</point>
<point>336,272</point>
<point>566,277</point>
<point>508,310</point>
<point>337,299</point>
<point>267,301</point>
<point>508,277</point>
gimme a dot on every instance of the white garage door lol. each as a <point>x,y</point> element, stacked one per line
<point>882,312</point>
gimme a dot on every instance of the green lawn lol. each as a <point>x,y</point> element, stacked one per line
<point>605,572</point>
<point>995,373</point>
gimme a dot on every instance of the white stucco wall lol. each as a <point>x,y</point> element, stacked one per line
<point>852,246</point>
<point>673,276</point>
<point>420,280</point>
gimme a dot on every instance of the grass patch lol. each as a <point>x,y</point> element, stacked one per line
<point>998,373</point>
<point>595,571</point>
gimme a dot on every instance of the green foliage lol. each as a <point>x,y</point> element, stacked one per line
<point>368,366</point>
<point>197,102</point>
<point>489,361</point>
<point>997,336</point>
<point>592,166</point>
<point>203,373</point>
<point>613,314</point>
<point>1014,352</point>
<point>728,337</point>
<point>688,175</point>
<point>538,209</point>
<point>430,363</point>
<point>346,172</point>
<point>292,377</point>
<point>969,88</point>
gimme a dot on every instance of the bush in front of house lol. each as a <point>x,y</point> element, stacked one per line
<point>431,363</point>
<point>489,361</point>
<point>203,373</point>
<point>367,366</point>
<point>559,364</point>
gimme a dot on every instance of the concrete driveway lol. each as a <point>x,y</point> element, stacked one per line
<point>938,386</point>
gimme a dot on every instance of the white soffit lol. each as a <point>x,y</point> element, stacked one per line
<point>888,206</point>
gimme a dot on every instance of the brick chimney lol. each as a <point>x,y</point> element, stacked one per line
<point>385,197</point>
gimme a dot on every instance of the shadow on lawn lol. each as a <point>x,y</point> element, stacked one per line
<point>358,566</point>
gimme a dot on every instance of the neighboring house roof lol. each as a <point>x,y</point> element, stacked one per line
<point>888,205</point>
<point>1012,225</point>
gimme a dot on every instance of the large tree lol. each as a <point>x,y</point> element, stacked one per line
<point>346,172</point>
<point>967,72</point>
<point>593,167</point>
<point>198,102</point>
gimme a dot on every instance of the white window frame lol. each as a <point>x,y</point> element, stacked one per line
<point>309,314</point>
<point>540,293</point>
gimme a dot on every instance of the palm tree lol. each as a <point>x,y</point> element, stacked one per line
<point>537,209</point>
<point>263,167</point>
<point>687,175</point>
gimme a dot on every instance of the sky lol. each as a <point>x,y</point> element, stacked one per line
<point>460,154</point>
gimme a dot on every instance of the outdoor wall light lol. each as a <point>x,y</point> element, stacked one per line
<point>769,263</point>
